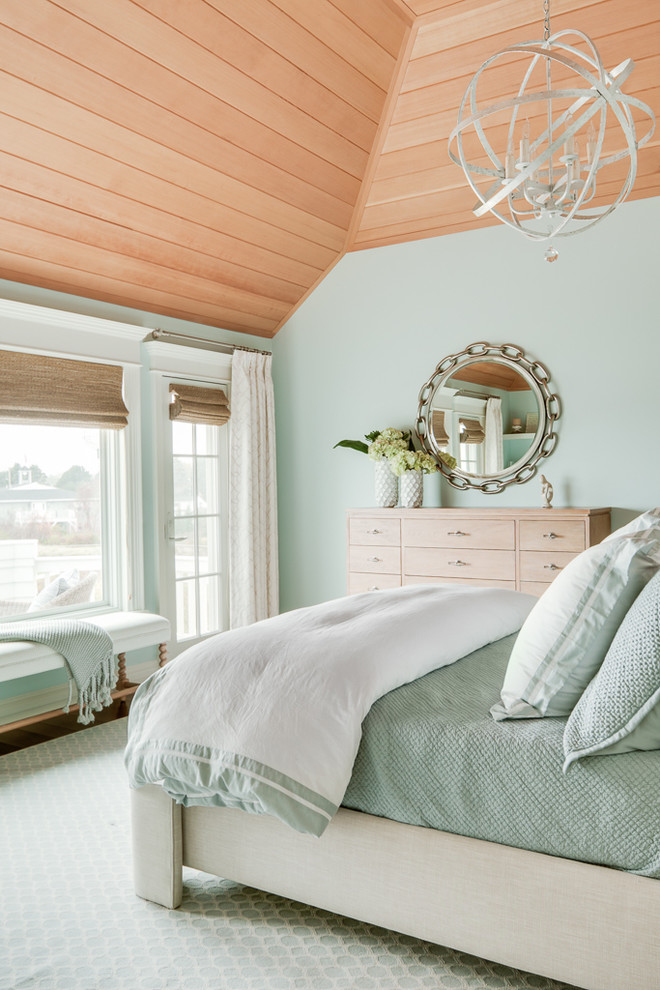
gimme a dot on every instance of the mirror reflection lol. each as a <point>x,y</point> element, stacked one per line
<point>486,414</point>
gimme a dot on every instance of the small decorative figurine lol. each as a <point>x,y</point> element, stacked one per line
<point>547,491</point>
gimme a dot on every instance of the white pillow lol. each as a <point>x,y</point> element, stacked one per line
<point>53,590</point>
<point>565,638</point>
<point>647,520</point>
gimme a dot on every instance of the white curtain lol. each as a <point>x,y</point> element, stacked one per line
<point>253,569</point>
<point>493,444</point>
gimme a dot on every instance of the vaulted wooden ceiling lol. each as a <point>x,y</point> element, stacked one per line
<point>212,159</point>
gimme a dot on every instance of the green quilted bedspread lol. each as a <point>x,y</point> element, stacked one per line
<point>432,755</point>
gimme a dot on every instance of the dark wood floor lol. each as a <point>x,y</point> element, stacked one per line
<point>52,728</point>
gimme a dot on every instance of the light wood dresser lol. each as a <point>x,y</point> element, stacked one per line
<point>522,549</point>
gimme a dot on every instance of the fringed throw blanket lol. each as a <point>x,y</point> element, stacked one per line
<point>268,718</point>
<point>87,650</point>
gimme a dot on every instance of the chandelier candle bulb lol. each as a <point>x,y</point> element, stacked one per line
<point>524,145</point>
<point>591,143</point>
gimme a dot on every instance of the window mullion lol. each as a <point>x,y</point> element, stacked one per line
<point>198,614</point>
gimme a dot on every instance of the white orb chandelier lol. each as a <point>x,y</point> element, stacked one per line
<point>545,177</point>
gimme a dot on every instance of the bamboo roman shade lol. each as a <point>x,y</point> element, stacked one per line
<point>471,431</point>
<point>438,427</point>
<point>194,404</point>
<point>60,392</point>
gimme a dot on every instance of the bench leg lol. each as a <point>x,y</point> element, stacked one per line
<point>123,684</point>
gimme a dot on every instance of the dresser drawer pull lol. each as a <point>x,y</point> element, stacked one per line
<point>457,563</point>
<point>550,536</point>
<point>552,567</point>
<point>375,560</point>
<point>457,532</point>
<point>374,532</point>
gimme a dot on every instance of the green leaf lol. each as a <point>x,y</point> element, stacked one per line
<point>354,445</point>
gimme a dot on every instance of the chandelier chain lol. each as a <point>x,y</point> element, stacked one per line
<point>546,12</point>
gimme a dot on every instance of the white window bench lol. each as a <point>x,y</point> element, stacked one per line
<point>128,631</point>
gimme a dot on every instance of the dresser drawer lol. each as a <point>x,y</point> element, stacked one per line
<point>372,582</point>
<point>375,532</point>
<point>457,533</point>
<point>566,535</point>
<point>465,564</point>
<point>533,587</point>
<point>476,582</point>
<point>374,560</point>
<point>543,566</point>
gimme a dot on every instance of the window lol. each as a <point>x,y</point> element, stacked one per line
<point>190,393</point>
<point>71,531</point>
<point>470,444</point>
<point>471,458</point>
<point>57,518</point>
<point>460,420</point>
<point>198,528</point>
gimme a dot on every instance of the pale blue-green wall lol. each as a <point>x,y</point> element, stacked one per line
<point>354,356</point>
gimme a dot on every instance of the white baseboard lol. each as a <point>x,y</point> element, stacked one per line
<point>49,699</point>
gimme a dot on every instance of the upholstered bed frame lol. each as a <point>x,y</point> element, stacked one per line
<point>586,925</point>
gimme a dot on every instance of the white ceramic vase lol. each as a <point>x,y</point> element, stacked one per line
<point>412,489</point>
<point>386,485</point>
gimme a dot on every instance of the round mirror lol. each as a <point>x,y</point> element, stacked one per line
<point>492,410</point>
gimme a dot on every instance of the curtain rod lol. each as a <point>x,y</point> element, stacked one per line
<point>467,394</point>
<point>211,344</point>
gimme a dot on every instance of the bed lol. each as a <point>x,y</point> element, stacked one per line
<point>577,901</point>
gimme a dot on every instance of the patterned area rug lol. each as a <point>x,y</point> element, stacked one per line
<point>69,919</point>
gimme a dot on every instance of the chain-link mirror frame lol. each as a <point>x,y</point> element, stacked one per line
<point>544,442</point>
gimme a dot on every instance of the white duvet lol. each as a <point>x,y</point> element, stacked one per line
<point>268,717</point>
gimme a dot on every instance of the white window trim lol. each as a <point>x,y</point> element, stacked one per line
<point>167,362</point>
<point>56,333</point>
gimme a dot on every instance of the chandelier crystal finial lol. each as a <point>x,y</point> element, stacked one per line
<point>555,135</point>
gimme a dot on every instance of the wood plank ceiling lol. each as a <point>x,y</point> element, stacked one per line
<point>211,160</point>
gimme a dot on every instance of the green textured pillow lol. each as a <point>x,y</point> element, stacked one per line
<point>567,634</point>
<point>620,709</point>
